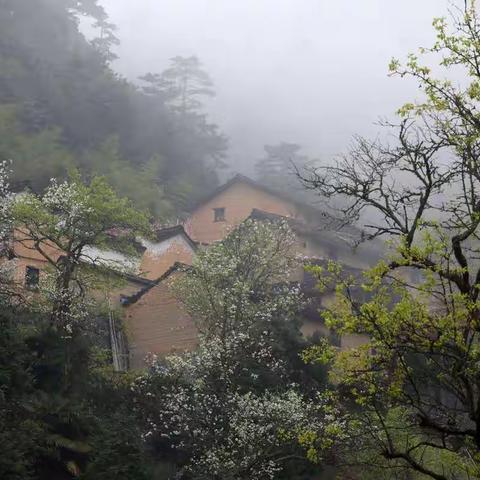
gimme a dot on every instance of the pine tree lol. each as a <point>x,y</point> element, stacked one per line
<point>183,88</point>
<point>183,85</point>
<point>275,169</point>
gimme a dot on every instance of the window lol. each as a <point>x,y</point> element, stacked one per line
<point>219,214</point>
<point>32,277</point>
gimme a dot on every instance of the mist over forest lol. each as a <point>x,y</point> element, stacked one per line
<point>239,240</point>
<point>313,73</point>
<point>269,82</point>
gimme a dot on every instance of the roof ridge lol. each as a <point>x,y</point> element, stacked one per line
<point>255,183</point>
<point>162,234</point>
<point>131,299</point>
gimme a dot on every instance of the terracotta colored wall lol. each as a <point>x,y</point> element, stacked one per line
<point>27,255</point>
<point>156,261</point>
<point>158,324</point>
<point>239,200</point>
<point>26,249</point>
<point>21,265</point>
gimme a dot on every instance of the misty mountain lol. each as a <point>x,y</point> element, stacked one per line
<point>62,107</point>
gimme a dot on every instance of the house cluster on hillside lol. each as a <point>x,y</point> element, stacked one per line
<point>154,321</point>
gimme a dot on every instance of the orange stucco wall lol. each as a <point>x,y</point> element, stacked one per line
<point>28,256</point>
<point>155,264</point>
<point>238,200</point>
<point>26,248</point>
<point>21,265</point>
<point>158,324</point>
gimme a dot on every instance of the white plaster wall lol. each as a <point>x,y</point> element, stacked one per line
<point>112,259</point>
<point>157,249</point>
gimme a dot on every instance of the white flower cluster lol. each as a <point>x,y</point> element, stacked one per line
<point>76,308</point>
<point>69,204</point>
<point>214,404</point>
<point>6,201</point>
<point>226,431</point>
<point>241,285</point>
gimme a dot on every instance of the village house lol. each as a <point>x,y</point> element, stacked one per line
<point>28,267</point>
<point>233,202</point>
<point>170,245</point>
<point>320,234</point>
<point>155,320</point>
<point>146,316</point>
<point>152,257</point>
<point>123,276</point>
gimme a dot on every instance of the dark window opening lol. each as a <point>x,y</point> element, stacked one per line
<point>219,214</point>
<point>32,277</point>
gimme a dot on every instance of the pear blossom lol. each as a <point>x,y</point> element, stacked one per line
<point>229,407</point>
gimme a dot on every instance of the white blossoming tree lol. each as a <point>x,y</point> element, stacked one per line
<point>60,225</point>
<point>229,408</point>
<point>7,290</point>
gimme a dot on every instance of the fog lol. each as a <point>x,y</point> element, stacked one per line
<point>313,72</point>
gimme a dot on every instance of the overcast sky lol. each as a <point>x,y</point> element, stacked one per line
<point>313,72</point>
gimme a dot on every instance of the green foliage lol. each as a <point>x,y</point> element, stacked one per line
<point>182,84</point>
<point>59,423</point>
<point>41,154</point>
<point>60,103</point>
<point>67,226</point>
<point>73,215</point>
<point>182,87</point>
<point>411,391</point>
<point>117,446</point>
<point>64,412</point>
<point>117,450</point>
<point>143,184</point>
<point>19,432</point>
<point>398,387</point>
<point>234,408</point>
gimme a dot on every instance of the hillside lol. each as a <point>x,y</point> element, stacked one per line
<point>62,106</point>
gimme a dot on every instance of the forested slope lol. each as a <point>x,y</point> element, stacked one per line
<point>63,106</point>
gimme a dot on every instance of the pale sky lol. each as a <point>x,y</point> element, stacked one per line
<point>313,72</point>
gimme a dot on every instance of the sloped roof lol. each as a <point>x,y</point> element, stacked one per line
<point>162,234</point>
<point>127,276</point>
<point>118,234</point>
<point>131,299</point>
<point>317,230</point>
<point>312,213</point>
<point>345,237</point>
<point>239,178</point>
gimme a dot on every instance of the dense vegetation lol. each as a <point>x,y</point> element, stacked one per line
<point>61,105</point>
<point>411,394</point>
<point>64,411</point>
<point>236,406</point>
<point>252,401</point>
